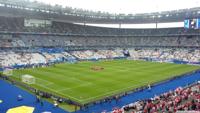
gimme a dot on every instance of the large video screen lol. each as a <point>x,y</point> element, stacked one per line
<point>198,23</point>
<point>192,23</point>
<point>187,24</point>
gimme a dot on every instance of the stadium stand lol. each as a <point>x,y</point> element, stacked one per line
<point>181,99</point>
<point>167,55</point>
<point>13,33</point>
<point>30,40</point>
<point>42,56</point>
<point>24,46</point>
<point>16,24</point>
<point>97,54</point>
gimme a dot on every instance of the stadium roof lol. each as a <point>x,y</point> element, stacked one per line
<point>126,6</point>
<point>67,12</point>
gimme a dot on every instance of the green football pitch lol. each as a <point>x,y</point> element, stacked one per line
<point>89,81</point>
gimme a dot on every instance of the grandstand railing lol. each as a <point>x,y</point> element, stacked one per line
<point>92,35</point>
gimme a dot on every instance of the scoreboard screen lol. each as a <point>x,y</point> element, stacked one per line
<point>198,23</point>
<point>192,23</point>
<point>187,24</point>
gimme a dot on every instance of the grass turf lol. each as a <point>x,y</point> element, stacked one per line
<point>82,84</point>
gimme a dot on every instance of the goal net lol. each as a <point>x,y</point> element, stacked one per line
<point>28,79</point>
<point>8,72</point>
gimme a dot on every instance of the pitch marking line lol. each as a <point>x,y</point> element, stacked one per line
<point>81,100</point>
<point>65,89</point>
<point>111,92</point>
<point>48,82</point>
<point>58,92</point>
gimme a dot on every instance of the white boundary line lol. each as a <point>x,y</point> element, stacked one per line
<point>78,99</point>
<point>111,92</point>
<point>115,91</point>
<point>48,82</point>
<point>64,89</point>
<point>58,92</point>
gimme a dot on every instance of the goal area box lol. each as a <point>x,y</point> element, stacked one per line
<point>28,79</point>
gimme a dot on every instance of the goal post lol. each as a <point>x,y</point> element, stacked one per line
<point>28,79</point>
<point>8,72</point>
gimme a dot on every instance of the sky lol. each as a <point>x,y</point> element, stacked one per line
<point>126,6</point>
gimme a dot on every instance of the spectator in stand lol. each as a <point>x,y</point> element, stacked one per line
<point>181,99</point>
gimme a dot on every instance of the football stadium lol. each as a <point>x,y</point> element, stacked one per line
<point>99,56</point>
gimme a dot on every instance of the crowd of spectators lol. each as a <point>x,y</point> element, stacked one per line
<point>68,34</point>
<point>11,58</point>
<point>167,55</point>
<point>97,54</point>
<point>95,41</point>
<point>181,99</point>
<point>16,24</point>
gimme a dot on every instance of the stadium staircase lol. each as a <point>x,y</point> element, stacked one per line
<point>73,56</point>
